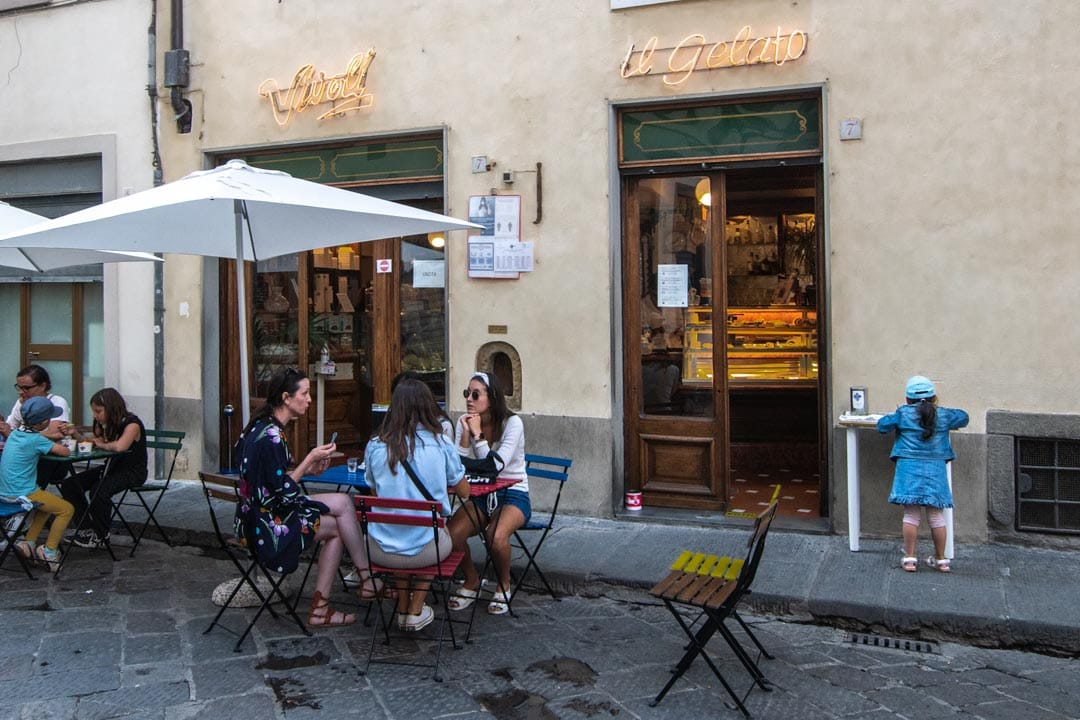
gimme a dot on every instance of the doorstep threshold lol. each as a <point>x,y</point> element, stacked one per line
<point>706,518</point>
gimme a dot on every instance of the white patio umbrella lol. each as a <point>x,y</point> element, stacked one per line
<point>234,211</point>
<point>42,259</point>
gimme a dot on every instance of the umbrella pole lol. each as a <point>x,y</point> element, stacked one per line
<point>245,399</point>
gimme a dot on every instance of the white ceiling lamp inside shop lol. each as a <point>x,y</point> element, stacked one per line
<point>436,240</point>
<point>702,192</point>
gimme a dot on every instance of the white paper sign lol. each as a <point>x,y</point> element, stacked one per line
<point>481,257</point>
<point>429,273</point>
<point>672,285</point>
<point>514,256</point>
<point>507,217</point>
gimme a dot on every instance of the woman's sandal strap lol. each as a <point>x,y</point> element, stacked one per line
<point>322,615</point>
<point>500,603</point>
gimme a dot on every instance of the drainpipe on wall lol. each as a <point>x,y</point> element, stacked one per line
<point>178,69</point>
<point>159,304</point>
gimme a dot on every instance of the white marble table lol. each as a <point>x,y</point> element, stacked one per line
<point>852,423</point>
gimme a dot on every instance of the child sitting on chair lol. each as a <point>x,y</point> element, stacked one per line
<point>18,476</point>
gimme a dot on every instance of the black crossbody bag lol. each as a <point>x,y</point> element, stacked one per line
<point>416,481</point>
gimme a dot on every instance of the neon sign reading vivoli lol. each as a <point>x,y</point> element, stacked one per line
<point>309,88</point>
<point>694,53</point>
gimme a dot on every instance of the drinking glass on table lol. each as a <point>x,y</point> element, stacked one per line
<point>351,464</point>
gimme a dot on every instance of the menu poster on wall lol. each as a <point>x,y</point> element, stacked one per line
<point>672,285</point>
<point>489,258</point>
<point>498,215</point>
<point>514,256</point>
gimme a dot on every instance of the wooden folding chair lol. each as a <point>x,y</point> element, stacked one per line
<point>413,513</point>
<point>14,519</point>
<point>164,440</point>
<point>541,467</point>
<point>225,488</point>
<point>715,586</point>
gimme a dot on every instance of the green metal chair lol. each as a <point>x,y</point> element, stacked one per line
<point>149,495</point>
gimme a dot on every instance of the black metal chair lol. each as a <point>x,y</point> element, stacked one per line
<point>152,490</point>
<point>225,488</point>
<point>715,586</point>
<point>541,467</point>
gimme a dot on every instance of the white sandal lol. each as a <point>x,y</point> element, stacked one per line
<point>909,563</point>
<point>500,603</point>
<point>943,565</point>
<point>462,598</point>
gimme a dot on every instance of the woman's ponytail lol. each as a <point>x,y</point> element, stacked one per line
<point>927,417</point>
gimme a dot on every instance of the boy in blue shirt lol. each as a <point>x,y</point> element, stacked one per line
<point>18,476</point>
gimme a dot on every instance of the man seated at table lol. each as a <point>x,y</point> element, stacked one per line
<point>18,474</point>
<point>34,381</point>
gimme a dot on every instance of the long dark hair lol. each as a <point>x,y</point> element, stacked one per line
<point>500,411</point>
<point>284,381</point>
<point>413,375</point>
<point>115,412</point>
<point>927,411</point>
<point>412,407</point>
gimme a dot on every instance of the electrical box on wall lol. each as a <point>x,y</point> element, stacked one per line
<point>508,177</point>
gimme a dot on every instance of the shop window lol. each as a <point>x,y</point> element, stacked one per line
<point>502,360</point>
<point>1048,485</point>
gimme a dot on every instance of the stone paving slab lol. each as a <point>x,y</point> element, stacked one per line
<point>604,654</point>
<point>997,595</point>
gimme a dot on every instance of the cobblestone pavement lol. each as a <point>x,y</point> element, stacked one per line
<point>125,640</point>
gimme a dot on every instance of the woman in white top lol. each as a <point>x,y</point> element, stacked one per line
<point>489,428</point>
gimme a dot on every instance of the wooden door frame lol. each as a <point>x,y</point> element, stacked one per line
<point>678,429</point>
<point>386,328</point>
<point>34,353</point>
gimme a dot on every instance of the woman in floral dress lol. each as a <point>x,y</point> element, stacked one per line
<point>275,519</point>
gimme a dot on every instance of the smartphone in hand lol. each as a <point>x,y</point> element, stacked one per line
<point>333,437</point>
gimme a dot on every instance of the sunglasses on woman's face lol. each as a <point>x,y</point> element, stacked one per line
<point>474,394</point>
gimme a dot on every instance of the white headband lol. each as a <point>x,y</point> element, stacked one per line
<point>483,376</point>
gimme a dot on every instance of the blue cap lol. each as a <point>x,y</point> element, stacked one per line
<point>37,410</point>
<point>919,387</point>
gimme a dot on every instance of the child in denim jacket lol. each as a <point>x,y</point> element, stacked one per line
<point>18,476</point>
<point>921,450</point>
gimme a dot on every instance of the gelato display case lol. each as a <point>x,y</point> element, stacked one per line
<point>765,345</point>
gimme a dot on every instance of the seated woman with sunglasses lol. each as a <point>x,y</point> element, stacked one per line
<point>276,519</point>
<point>487,428</point>
<point>412,459</point>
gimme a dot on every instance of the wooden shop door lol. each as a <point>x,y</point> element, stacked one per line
<point>675,385</point>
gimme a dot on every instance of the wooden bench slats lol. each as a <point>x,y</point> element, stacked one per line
<point>676,572</point>
<point>703,575</point>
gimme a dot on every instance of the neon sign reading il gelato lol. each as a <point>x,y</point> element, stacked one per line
<point>694,53</point>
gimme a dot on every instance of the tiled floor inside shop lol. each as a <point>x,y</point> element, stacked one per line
<point>751,492</point>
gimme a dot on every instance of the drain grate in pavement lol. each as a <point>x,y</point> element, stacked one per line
<point>890,643</point>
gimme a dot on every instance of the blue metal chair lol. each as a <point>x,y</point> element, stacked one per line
<point>541,467</point>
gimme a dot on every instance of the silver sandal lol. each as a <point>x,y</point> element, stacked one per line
<point>943,565</point>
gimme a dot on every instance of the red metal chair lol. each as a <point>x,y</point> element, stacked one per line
<point>414,513</point>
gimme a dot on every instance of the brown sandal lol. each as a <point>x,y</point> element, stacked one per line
<point>373,589</point>
<point>322,615</point>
